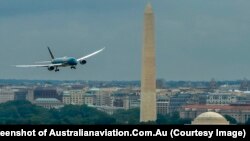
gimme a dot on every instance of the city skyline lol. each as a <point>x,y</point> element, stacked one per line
<point>195,40</point>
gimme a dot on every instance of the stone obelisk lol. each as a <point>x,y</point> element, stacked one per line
<point>148,81</point>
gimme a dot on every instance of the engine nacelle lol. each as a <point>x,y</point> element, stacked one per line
<point>83,62</point>
<point>51,68</point>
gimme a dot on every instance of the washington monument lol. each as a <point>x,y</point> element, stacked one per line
<point>148,81</point>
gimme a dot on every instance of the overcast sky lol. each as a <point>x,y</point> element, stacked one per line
<point>195,39</point>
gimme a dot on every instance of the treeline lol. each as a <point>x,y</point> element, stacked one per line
<point>23,112</point>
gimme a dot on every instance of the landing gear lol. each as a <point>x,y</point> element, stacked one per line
<point>73,67</point>
<point>56,69</point>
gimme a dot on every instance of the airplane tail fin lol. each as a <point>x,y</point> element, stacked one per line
<point>52,56</point>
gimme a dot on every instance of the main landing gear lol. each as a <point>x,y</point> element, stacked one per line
<point>73,67</point>
<point>56,69</point>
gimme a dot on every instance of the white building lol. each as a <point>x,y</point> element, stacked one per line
<point>6,94</point>
<point>74,97</point>
<point>108,109</point>
<point>89,99</point>
<point>221,99</point>
<point>102,96</point>
<point>48,103</point>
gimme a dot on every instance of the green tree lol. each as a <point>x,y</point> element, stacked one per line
<point>130,116</point>
<point>230,119</point>
<point>22,112</point>
<point>248,122</point>
<point>173,119</point>
<point>72,114</point>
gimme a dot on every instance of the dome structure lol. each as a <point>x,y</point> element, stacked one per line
<point>210,118</point>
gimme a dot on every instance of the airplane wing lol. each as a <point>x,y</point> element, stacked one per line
<point>89,55</point>
<point>32,66</point>
<point>41,62</point>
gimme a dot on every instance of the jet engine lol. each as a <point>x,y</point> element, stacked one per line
<point>51,68</point>
<point>83,62</point>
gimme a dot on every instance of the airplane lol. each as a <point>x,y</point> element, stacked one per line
<point>55,63</point>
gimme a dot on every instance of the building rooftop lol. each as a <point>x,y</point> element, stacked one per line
<point>66,93</point>
<point>94,89</point>
<point>47,100</point>
<point>221,107</point>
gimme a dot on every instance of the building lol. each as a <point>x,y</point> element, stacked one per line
<point>162,105</point>
<point>212,85</point>
<point>134,101</point>
<point>200,98</point>
<point>74,97</point>
<point>244,99</point>
<point>21,94</point>
<point>177,101</point>
<point>221,99</point>
<point>103,98</point>
<point>120,100</point>
<point>89,99</point>
<point>49,103</point>
<point>244,86</point>
<point>98,97</point>
<point>210,118</point>
<point>241,113</point>
<point>108,109</point>
<point>66,99</point>
<point>148,79</point>
<point>6,94</point>
<point>46,92</point>
<point>30,95</point>
<point>77,97</point>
